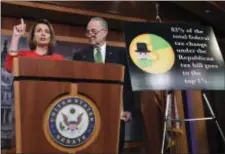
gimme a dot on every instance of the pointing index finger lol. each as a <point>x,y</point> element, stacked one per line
<point>22,21</point>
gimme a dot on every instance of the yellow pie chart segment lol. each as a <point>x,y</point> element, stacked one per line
<point>151,53</point>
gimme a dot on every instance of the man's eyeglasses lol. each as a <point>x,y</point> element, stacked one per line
<point>93,32</point>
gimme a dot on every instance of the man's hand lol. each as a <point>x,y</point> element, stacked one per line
<point>126,116</point>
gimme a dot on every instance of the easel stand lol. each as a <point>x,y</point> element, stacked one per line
<point>213,117</point>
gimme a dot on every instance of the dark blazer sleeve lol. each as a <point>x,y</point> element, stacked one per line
<point>77,56</point>
<point>128,94</point>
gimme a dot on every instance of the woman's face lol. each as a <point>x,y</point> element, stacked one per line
<point>42,34</point>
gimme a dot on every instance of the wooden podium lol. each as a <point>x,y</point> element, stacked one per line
<point>38,82</point>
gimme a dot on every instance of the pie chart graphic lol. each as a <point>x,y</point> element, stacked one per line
<point>151,53</point>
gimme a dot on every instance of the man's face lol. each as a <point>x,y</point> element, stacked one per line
<point>96,34</point>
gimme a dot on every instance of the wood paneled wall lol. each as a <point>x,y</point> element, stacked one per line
<point>181,140</point>
<point>199,127</point>
<point>63,32</point>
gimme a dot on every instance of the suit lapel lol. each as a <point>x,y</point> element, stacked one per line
<point>108,55</point>
<point>89,56</point>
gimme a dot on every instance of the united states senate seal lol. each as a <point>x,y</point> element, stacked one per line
<point>71,123</point>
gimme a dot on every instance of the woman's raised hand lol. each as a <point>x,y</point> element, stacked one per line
<point>19,30</point>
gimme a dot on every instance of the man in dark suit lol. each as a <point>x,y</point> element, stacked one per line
<point>97,30</point>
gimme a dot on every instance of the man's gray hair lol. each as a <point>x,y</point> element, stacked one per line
<point>102,21</point>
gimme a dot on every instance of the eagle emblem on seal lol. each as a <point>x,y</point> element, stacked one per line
<point>70,125</point>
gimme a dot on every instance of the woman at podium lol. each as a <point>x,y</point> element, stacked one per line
<point>41,41</point>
